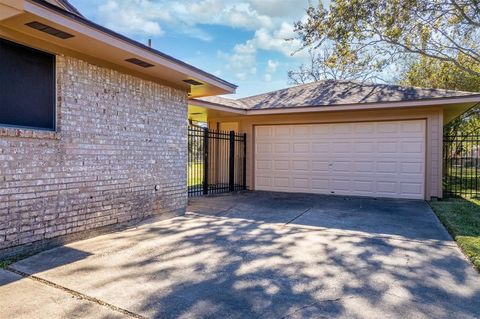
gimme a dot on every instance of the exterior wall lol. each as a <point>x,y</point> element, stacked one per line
<point>117,137</point>
<point>433,116</point>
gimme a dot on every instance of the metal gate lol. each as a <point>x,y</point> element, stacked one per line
<point>461,165</point>
<point>216,161</point>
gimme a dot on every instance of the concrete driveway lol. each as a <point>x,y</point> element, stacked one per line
<point>256,255</point>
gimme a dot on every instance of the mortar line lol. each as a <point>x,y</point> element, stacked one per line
<point>77,294</point>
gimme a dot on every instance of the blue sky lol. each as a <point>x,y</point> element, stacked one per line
<point>241,41</point>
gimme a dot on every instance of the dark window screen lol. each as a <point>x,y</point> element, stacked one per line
<point>27,87</point>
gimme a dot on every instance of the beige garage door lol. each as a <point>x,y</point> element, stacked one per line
<point>379,159</point>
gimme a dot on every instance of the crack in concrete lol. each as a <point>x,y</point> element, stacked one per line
<point>77,294</point>
<point>314,304</point>
<point>296,217</point>
<point>431,243</point>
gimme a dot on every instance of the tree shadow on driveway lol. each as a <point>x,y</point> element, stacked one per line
<point>219,266</point>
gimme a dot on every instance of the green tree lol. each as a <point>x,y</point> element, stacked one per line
<point>434,73</point>
<point>388,30</point>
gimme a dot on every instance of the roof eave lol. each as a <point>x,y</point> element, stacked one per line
<point>85,29</point>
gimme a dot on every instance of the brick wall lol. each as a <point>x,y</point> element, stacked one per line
<point>117,137</point>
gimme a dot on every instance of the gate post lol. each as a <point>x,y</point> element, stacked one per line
<point>231,173</point>
<point>205,161</point>
<point>244,161</point>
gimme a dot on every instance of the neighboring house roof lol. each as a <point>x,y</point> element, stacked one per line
<point>334,93</point>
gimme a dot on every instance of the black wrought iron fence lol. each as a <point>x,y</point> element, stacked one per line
<point>216,161</point>
<point>461,165</point>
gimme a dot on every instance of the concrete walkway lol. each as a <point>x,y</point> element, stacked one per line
<point>257,255</point>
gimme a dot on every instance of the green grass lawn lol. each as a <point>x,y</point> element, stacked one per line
<point>461,217</point>
<point>195,174</point>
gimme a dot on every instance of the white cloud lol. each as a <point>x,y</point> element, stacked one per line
<point>270,20</point>
<point>145,17</point>
<point>276,8</point>
<point>272,66</point>
<point>115,17</point>
<point>242,61</point>
<point>270,69</point>
<point>242,16</point>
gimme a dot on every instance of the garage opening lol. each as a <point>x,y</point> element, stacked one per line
<point>377,159</point>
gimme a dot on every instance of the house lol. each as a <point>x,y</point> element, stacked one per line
<point>340,137</point>
<point>93,131</point>
<point>93,127</point>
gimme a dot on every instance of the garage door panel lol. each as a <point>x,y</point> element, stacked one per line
<point>411,167</point>
<point>263,182</point>
<point>412,147</point>
<point>301,148</point>
<point>303,183</point>
<point>281,131</point>
<point>282,182</point>
<point>320,130</point>
<point>364,186</point>
<point>281,148</point>
<point>364,147</point>
<point>387,127</point>
<point>320,184</point>
<point>408,188</point>
<point>320,147</point>
<point>370,159</point>
<point>412,127</point>
<point>342,147</point>
<point>364,128</point>
<point>387,147</point>
<point>282,164</point>
<point>320,166</point>
<point>342,128</point>
<point>387,167</point>
<point>301,165</point>
<point>302,131</point>
<point>263,164</point>
<point>264,131</point>
<point>364,166</point>
<point>341,166</point>
<point>263,148</point>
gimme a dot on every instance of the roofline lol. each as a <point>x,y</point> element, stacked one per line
<point>68,5</point>
<point>342,107</point>
<point>81,19</point>
<point>216,106</point>
<point>356,83</point>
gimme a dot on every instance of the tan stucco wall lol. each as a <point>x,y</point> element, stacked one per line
<point>433,116</point>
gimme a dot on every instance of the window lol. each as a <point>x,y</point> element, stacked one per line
<point>27,87</point>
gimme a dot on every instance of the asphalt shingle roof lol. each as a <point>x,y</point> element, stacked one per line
<point>331,93</point>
